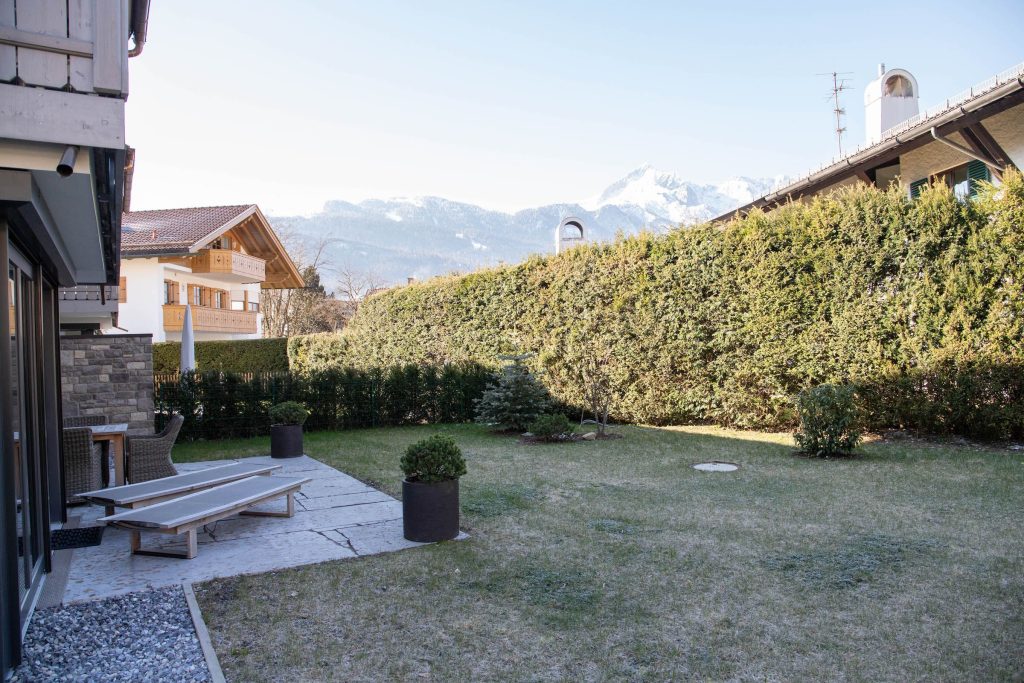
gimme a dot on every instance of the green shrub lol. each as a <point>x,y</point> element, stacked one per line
<point>726,324</point>
<point>515,400</point>
<point>289,413</point>
<point>552,427</point>
<point>240,355</point>
<point>227,405</point>
<point>436,458</point>
<point>317,352</point>
<point>829,424</point>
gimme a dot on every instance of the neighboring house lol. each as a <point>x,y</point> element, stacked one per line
<point>972,136</point>
<point>63,85</point>
<point>216,259</point>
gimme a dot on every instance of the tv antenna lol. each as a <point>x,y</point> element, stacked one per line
<point>840,82</point>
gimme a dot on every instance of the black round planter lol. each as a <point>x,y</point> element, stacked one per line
<point>430,512</point>
<point>285,441</point>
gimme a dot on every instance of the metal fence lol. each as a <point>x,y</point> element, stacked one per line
<point>223,405</point>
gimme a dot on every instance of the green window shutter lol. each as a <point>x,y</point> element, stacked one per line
<point>976,171</point>
<point>916,187</point>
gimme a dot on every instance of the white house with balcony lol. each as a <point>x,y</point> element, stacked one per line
<point>216,259</point>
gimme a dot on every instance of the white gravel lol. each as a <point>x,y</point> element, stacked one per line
<point>144,636</point>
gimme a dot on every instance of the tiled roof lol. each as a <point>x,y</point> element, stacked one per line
<point>170,230</point>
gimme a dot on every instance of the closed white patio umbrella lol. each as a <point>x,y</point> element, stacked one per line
<point>188,344</point>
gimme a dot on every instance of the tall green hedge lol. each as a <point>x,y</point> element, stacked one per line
<point>918,302</point>
<point>316,352</point>
<point>241,355</point>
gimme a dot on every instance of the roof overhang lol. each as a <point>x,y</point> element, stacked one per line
<point>254,232</point>
<point>974,111</point>
<point>73,222</point>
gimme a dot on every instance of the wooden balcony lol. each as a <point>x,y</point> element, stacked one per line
<point>238,266</point>
<point>55,56</point>
<point>210,319</point>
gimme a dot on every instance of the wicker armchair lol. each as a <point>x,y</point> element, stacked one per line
<point>149,457</point>
<point>81,466</point>
<point>84,421</point>
<point>102,450</point>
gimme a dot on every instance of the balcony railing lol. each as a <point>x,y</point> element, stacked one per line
<point>89,298</point>
<point>227,262</point>
<point>205,319</point>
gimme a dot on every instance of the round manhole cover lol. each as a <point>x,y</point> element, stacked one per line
<point>716,466</point>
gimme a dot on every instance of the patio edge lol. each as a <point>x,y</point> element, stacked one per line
<point>203,634</point>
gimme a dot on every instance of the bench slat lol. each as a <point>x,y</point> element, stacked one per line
<point>195,507</point>
<point>177,484</point>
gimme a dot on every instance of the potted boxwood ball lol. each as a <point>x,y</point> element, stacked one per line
<point>286,429</point>
<point>430,490</point>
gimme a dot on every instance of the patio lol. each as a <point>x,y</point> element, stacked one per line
<point>336,517</point>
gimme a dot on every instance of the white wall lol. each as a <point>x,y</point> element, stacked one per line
<point>143,312</point>
<point>144,283</point>
<point>931,158</point>
<point>1008,129</point>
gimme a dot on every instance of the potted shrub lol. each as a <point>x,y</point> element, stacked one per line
<point>286,429</point>
<point>430,490</point>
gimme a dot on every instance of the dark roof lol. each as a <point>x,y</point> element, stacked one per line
<point>174,230</point>
<point>986,99</point>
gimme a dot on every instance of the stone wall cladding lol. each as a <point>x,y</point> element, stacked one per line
<point>110,375</point>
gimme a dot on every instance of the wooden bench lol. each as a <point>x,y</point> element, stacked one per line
<point>186,514</point>
<point>157,490</point>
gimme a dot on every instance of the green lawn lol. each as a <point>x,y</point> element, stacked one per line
<point>615,560</point>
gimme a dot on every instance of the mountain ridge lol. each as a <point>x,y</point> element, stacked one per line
<point>425,236</point>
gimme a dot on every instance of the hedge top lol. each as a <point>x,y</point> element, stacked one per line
<point>727,324</point>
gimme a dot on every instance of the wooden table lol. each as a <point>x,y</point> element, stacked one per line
<point>112,434</point>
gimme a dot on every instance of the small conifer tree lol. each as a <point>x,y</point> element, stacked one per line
<point>516,400</point>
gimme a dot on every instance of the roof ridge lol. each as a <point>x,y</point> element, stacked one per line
<point>191,208</point>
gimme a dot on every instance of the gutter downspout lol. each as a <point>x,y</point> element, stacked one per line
<point>967,151</point>
<point>140,25</point>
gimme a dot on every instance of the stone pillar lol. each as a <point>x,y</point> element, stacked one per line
<point>110,375</point>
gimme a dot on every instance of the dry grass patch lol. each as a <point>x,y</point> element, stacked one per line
<point>616,560</point>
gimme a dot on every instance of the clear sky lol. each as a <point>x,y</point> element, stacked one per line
<point>519,103</point>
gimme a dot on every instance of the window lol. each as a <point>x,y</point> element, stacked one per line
<point>254,306</point>
<point>222,242</point>
<point>218,299</point>
<point>963,180</point>
<point>197,296</point>
<point>899,86</point>
<point>170,292</point>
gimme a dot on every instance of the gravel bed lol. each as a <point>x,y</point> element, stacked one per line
<point>144,636</point>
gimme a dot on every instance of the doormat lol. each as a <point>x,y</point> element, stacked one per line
<point>66,539</point>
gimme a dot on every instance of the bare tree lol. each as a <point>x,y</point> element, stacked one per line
<point>298,311</point>
<point>597,386</point>
<point>353,284</point>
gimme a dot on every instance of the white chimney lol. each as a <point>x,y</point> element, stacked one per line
<point>889,100</point>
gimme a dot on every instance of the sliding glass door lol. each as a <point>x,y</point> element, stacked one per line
<point>26,421</point>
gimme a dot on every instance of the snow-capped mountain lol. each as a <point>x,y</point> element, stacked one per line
<point>426,236</point>
<point>666,199</point>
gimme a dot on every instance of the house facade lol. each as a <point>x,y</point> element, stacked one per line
<point>215,259</point>
<point>63,85</point>
<point>972,136</point>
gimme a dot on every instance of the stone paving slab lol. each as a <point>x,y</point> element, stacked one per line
<point>333,486</point>
<point>323,502</point>
<point>342,518</point>
<point>314,520</point>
